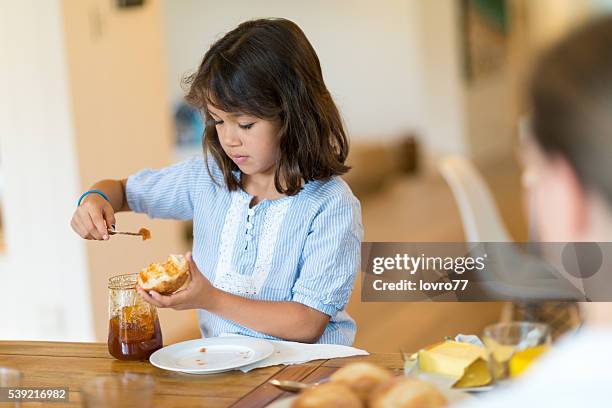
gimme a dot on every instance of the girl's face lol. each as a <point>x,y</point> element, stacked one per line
<point>252,143</point>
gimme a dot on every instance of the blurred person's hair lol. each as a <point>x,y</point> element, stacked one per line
<point>268,69</point>
<point>571,97</point>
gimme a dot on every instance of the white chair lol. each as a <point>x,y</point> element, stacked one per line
<point>481,219</point>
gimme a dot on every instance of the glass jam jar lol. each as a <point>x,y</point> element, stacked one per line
<point>134,332</point>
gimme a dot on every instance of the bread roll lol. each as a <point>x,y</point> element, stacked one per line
<point>328,395</point>
<point>361,377</point>
<point>165,278</point>
<point>405,392</point>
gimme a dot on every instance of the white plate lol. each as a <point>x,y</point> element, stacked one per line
<point>222,354</point>
<point>453,396</point>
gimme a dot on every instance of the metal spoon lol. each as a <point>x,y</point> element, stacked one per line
<point>143,232</point>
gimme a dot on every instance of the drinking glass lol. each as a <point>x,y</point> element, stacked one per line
<point>514,346</point>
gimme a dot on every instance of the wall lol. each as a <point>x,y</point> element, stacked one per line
<point>490,116</point>
<point>444,121</point>
<point>551,19</point>
<point>117,75</point>
<point>43,273</point>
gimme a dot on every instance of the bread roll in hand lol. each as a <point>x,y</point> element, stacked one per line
<point>165,278</point>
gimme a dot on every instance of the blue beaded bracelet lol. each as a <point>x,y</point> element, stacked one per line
<point>92,192</point>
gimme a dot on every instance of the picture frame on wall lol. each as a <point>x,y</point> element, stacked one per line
<point>484,35</point>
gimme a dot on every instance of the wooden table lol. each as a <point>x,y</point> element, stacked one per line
<point>55,364</point>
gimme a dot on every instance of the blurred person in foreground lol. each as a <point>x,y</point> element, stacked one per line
<point>569,156</point>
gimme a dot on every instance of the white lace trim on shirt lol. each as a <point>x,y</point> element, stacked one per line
<point>226,278</point>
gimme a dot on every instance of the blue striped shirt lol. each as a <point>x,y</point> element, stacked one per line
<point>303,248</point>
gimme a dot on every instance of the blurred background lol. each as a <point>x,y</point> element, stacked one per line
<point>91,90</point>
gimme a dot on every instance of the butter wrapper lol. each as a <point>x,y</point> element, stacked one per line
<point>464,364</point>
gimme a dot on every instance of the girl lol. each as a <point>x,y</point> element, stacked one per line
<point>277,233</point>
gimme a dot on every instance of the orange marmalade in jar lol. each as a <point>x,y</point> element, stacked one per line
<point>134,332</point>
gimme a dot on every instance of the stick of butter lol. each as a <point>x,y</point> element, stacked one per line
<point>466,364</point>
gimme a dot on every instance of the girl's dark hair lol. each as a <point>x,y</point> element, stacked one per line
<point>571,97</point>
<point>268,69</point>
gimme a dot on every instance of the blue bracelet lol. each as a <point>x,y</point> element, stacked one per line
<point>92,192</point>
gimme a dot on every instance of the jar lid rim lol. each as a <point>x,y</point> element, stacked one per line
<point>125,281</point>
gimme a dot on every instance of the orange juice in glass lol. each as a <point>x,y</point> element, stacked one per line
<point>514,346</point>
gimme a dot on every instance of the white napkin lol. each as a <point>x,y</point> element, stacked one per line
<point>290,352</point>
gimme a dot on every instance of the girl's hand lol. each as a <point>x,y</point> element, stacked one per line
<point>93,217</point>
<point>198,294</point>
